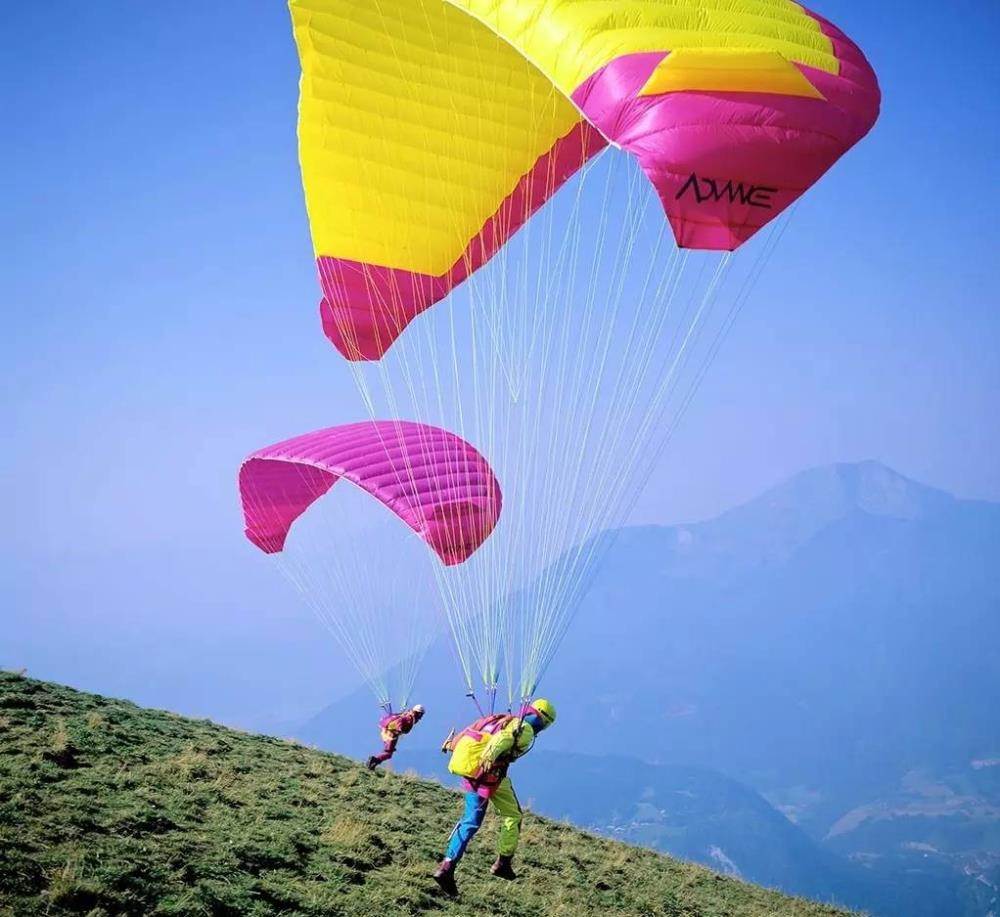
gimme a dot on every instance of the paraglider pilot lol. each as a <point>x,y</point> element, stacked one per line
<point>391,727</point>
<point>481,754</point>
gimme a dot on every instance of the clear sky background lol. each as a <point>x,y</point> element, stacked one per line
<point>160,322</point>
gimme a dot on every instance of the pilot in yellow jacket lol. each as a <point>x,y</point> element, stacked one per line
<point>481,755</point>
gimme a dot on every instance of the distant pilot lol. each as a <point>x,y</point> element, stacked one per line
<point>392,726</point>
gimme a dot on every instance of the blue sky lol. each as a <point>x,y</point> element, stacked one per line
<point>160,322</point>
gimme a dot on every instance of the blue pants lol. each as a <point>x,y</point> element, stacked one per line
<point>504,801</point>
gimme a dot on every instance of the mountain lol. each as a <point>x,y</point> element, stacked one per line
<point>110,809</point>
<point>820,644</point>
<point>831,636</point>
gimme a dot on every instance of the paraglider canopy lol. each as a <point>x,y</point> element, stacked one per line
<point>434,137</point>
<point>432,131</point>
<point>437,483</point>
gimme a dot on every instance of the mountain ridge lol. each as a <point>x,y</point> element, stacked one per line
<point>798,508</point>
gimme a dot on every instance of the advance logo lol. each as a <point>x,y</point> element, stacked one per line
<point>712,189</point>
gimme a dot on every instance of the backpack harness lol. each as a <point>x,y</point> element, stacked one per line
<point>467,746</point>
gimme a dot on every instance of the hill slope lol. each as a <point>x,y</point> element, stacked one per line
<point>107,808</point>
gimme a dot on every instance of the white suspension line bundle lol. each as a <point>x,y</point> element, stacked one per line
<point>567,361</point>
<point>365,576</point>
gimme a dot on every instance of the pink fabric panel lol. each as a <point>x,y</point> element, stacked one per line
<point>604,96</point>
<point>366,307</point>
<point>727,163</point>
<point>437,483</point>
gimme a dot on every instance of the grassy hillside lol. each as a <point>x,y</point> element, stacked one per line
<point>110,809</point>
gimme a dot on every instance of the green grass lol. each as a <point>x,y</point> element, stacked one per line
<point>111,809</point>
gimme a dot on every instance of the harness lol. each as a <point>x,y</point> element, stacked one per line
<point>396,724</point>
<point>488,725</point>
<point>467,745</point>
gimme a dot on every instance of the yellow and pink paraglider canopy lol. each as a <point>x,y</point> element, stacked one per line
<point>431,131</point>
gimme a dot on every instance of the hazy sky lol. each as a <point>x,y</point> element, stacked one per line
<point>159,303</point>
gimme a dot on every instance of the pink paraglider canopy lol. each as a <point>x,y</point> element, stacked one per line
<point>437,483</point>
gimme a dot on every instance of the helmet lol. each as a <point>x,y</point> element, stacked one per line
<point>545,710</point>
<point>418,709</point>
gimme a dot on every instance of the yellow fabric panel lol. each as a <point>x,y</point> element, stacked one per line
<point>415,123</point>
<point>571,39</point>
<point>707,69</point>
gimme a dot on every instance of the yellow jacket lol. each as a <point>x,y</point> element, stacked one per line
<point>510,743</point>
